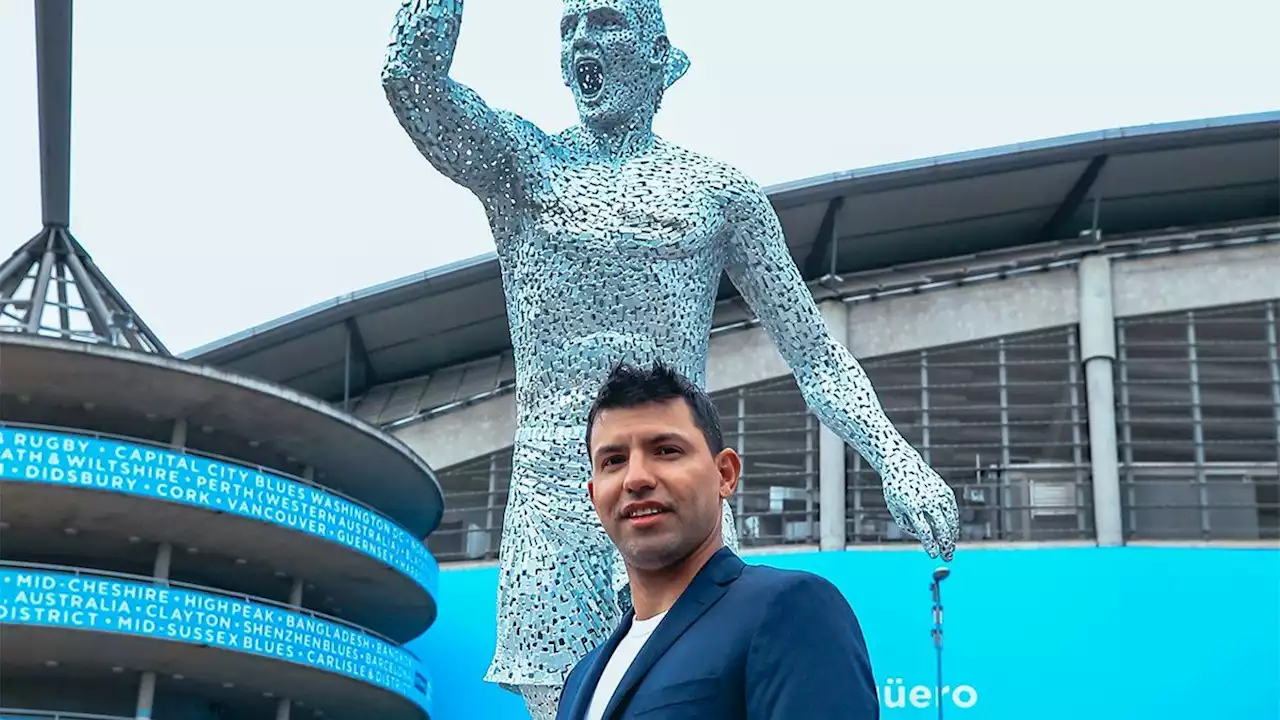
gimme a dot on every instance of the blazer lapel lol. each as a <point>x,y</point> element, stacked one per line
<point>708,586</point>
<point>587,687</point>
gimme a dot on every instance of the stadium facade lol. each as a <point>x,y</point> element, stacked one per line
<point>1080,334</point>
<point>179,541</point>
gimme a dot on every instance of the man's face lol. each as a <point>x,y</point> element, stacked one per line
<point>611,58</point>
<point>655,484</point>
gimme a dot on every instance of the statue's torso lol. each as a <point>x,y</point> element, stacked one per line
<point>606,263</point>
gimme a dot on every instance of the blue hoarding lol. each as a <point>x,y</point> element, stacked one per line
<point>87,602</point>
<point>1049,633</point>
<point>80,461</point>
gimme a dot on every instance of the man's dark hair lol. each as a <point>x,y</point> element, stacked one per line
<point>629,386</point>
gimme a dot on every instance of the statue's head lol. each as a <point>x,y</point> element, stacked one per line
<point>616,58</point>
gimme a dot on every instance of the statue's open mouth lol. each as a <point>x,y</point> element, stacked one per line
<point>590,75</point>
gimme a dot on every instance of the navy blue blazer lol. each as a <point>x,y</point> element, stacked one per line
<point>743,641</point>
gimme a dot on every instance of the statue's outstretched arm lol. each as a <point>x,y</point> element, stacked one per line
<point>834,385</point>
<point>465,139</point>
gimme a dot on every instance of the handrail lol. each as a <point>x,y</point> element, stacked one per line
<point>89,572</point>
<point>7,713</point>
<point>208,456</point>
<point>1233,465</point>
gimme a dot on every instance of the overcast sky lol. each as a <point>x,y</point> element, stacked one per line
<point>234,161</point>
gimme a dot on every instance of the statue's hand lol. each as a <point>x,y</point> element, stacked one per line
<point>923,505</point>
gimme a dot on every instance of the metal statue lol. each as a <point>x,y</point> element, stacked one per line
<point>612,242</point>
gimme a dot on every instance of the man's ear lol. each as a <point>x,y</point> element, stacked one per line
<point>591,491</point>
<point>729,463</point>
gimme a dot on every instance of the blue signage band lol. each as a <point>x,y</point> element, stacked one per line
<point>83,461</point>
<point>80,600</point>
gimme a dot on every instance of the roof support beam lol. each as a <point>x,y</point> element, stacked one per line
<point>822,257</point>
<point>1052,229</point>
<point>359,370</point>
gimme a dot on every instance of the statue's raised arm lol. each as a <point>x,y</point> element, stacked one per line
<point>466,140</point>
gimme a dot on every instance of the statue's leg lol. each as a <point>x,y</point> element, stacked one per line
<point>728,528</point>
<point>541,701</point>
<point>556,600</point>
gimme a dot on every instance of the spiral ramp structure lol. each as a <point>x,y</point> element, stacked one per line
<point>178,541</point>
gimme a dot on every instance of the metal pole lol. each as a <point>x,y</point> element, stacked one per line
<point>1126,426</point>
<point>936,589</point>
<point>742,443</point>
<point>924,406</point>
<point>1273,353</point>
<point>346,373</point>
<point>491,505</point>
<point>100,316</point>
<point>64,314</point>
<point>810,461</point>
<point>1197,423</point>
<point>1077,457</point>
<point>35,312</point>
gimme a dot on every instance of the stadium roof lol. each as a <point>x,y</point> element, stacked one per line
<point>1147,178</point>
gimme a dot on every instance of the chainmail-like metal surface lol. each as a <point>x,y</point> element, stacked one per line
<point>612,242</point>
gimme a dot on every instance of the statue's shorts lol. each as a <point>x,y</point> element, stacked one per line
<point>558,569</point>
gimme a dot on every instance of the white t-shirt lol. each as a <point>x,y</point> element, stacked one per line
<point>620,662</point>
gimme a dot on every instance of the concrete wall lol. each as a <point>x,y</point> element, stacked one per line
<point>1141,286</point>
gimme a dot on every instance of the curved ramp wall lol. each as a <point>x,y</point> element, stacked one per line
<point>58,457</point>
<point>73,599</point>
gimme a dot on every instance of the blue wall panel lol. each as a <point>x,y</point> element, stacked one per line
<point>1064,633</point>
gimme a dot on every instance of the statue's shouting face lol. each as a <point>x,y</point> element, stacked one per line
<point>613,55</point>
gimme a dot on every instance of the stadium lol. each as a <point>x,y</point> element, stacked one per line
<point>179,541</point>
<point>1079,333</point>
<point>1082,334</point>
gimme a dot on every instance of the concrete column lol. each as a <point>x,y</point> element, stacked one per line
<point>164,553</point>
<point>1098,353</point>
<point>179,437</point>
<point>285,706</point>
<point>831,451</point>
<point>146,696</point>
<point>164,556</point>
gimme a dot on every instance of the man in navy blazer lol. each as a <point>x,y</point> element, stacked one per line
<point>709,636</point>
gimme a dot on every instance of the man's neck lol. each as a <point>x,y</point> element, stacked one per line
<point>655,591</point>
